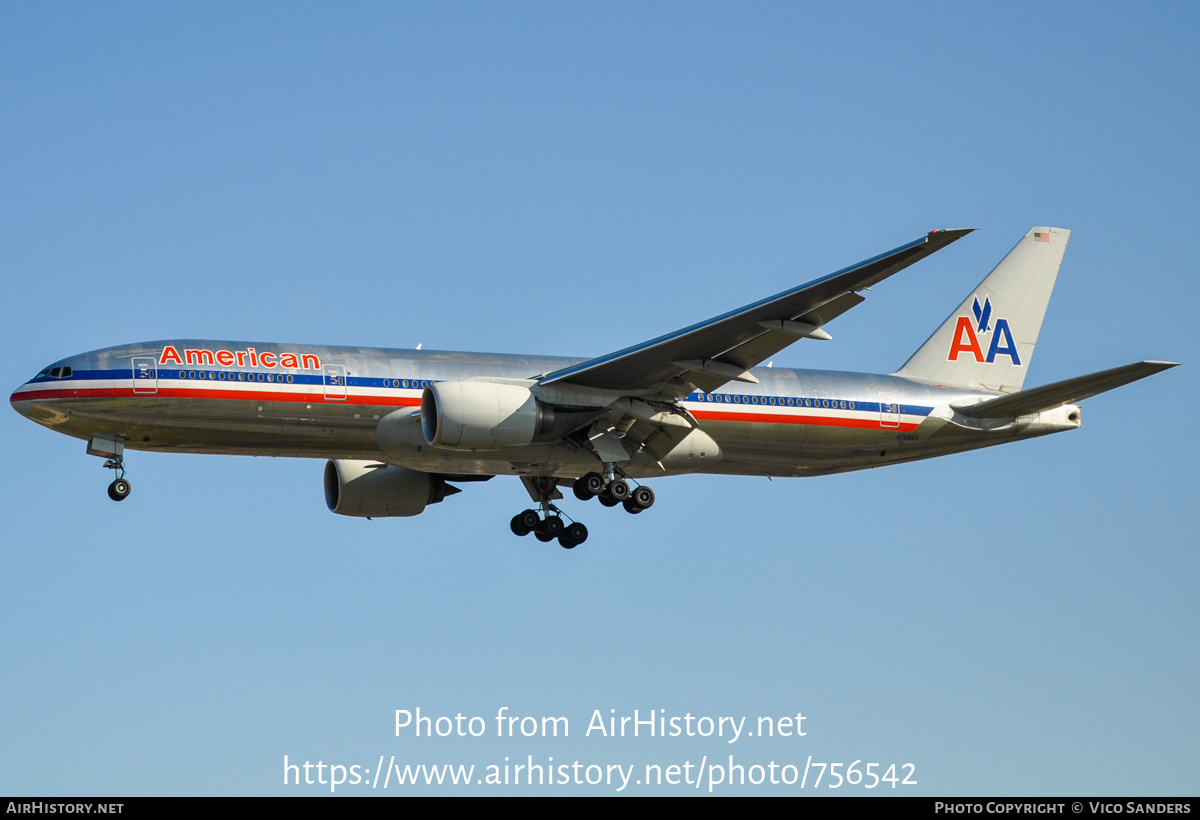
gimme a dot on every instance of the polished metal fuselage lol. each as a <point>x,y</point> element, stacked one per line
<point>239,400</point>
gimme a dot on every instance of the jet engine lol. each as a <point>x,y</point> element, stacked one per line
<point>483,415</point>
<point>369,489</point>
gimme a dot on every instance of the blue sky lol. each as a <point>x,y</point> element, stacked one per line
<point>573,179</point>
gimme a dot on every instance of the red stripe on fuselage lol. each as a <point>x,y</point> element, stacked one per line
<point>218,393</point>
<point>413,401</point>
<point>819,421</point>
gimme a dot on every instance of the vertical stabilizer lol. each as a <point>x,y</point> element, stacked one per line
<point>988,342</point>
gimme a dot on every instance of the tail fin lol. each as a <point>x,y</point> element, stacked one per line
<point>987,343</point>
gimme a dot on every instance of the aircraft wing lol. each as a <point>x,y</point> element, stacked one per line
<point>724,348</point>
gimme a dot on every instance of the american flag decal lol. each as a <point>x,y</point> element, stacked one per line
<point>1038,236</point>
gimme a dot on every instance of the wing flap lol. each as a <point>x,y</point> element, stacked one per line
<point>1070,391</point>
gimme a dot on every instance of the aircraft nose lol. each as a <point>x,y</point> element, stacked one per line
<point>21,405</point>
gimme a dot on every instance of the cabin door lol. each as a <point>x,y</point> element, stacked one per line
<point>889,410</point>
<point>145,375</point>
<point>335,382</point>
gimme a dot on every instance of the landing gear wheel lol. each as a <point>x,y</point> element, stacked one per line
<point>523,523</point>
<point>573,536</point>
<point>643,497</point>
<point>619,489</point>
<point>119,490</point>
<point>631,506</point>
<point>549,528</point>
<point>607,500</point>
<point>579,488</point>
<point>594,482</point>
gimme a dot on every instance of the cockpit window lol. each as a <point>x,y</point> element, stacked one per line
<point>54,373</point>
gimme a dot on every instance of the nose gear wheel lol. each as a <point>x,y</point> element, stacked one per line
<point>120,488</point>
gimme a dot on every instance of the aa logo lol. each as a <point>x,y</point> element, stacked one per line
<point>967,336</point>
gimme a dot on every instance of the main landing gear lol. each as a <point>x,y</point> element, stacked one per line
<point>548,528</point>
<point>613,492</point>
<point>547,524</point>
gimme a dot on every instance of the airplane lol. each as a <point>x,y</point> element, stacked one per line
<point>401,428</point>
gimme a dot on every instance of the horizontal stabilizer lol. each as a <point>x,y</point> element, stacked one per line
<point>1049,396</point>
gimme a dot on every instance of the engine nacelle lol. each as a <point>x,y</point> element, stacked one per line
<point>482,415</point>
<point>369,489</point>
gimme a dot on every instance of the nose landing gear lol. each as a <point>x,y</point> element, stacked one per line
<point>112,450</point>
<point>120,488</point>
